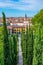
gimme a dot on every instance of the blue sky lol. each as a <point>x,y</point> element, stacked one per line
<point>17,8</point>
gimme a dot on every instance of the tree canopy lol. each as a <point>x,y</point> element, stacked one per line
<point>38,18</point>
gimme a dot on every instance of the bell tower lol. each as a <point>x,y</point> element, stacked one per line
<point>25,17</point>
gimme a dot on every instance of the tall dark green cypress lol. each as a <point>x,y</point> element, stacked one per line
<point>39,47</point>
<point>42,42</point>
<point>6,42</point>
<point>14,56</point>
<point>34,50</point>
<point>23,45</point>
<point>29,46</point>
<point>37,58</point>
<point>11,49</point>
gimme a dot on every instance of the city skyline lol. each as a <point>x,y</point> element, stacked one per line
<point>18,8</point>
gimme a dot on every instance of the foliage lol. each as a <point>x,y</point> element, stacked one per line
<point>23,45</point>
<point>29,46</point>
<point>37,22</point>
<point>6,42</point>
<point>14,57</point>
<point>1,47</point>
<point>38,18</point>
<point>37,56</point>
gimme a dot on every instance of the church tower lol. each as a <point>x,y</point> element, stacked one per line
<point>25,17</point>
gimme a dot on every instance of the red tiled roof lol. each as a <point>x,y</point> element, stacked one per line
<point>19,19</point>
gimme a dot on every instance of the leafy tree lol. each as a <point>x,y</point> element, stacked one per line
<point>38,18</point>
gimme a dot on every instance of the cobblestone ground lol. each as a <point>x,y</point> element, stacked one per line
<point>20,60</point>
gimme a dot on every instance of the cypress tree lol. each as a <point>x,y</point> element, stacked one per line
<point>6,42</point>
<point>14,56</point>
<point>23,45</point>
<point>42,42</point>
<point>27,42</point>
<point>11,49</point>
<point>37,58</point>
<point>29,46</point>
<point>34,50</point>
<point>39,48</point>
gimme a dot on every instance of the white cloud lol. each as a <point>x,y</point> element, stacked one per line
<point>2,4</point>
<point>22,4</point>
